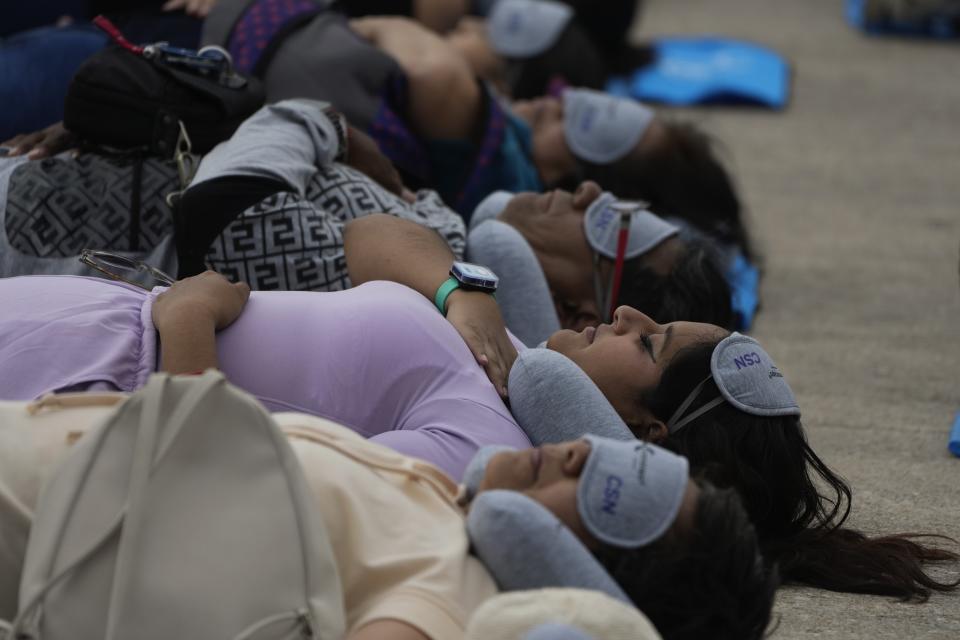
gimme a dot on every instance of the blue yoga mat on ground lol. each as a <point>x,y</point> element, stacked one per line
<point>943,25</point>
<point>708,70</point>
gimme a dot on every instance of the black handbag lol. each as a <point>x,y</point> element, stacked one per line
<point>156,96</point>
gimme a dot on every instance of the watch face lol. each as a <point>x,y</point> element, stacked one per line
<point>474,270</point>
<point>475,275</point>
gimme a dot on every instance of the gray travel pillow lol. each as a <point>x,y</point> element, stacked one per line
<point>553,400</point>
<point>522,544</point>
<point>523,295</point>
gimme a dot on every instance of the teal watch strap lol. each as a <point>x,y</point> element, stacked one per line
<point>443,292</point>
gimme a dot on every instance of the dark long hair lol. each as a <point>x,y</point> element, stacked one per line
<point>573,60</point>
<point>710,582</point>
<point>680,177</point>
<point>694,290</point>
<point>770,463</point>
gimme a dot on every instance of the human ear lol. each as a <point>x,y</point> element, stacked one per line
<point>649,429</point>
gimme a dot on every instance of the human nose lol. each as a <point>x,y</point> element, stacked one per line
<point>627,318</point>
<point>586,193</point>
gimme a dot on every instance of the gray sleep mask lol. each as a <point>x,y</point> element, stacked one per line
<point>526,28</point>
<point>630,492</point>
<point>602,226</point>
<point>601,128</point>
<point>747,378</point>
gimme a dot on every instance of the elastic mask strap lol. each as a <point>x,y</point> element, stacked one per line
<point>676,423</point>
<point>601,291</point>
<point>622,239</point>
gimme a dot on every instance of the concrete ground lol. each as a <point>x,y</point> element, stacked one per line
<point>854,196</point>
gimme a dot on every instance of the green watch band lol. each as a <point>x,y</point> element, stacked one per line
<point>443,292</point>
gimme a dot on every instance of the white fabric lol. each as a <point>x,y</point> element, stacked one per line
<point>297,138</point>
<point>149,518</point>
<point>510,616</point>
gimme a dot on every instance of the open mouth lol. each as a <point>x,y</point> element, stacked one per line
<point>591,334</point>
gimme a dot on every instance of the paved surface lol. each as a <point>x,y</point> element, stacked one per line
<point>854,194</point>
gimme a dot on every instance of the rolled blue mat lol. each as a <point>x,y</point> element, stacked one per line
<point>954,444</point>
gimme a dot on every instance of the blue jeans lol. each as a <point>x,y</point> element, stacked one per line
<point>20,16</point>
<point>35,70</point>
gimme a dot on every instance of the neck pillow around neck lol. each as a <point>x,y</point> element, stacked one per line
<point>553,400</point>
<point>523,295</point>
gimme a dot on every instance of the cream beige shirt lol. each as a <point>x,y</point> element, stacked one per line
<point>393,521</point>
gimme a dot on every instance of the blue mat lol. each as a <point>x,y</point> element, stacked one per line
<point>744,281</point>
<point>707,70</point>
<point>935,25</point>
<point>954,443</point>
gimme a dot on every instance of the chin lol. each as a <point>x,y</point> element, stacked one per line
<point>559,339</point>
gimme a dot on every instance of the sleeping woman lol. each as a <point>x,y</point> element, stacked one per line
<point>418,96</point>
<point>398,540</point>
<point>383,360</point>
<point>269,207</point>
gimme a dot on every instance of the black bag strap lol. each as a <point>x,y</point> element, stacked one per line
<point>166,131</point>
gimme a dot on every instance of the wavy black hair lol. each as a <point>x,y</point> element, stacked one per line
<point>573,60</point>
<point>711,582</point>
<point>779,477</point>
<point>680,176</point>
<point>694,290</point>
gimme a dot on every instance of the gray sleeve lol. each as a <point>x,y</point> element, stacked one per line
<point>523,295</point>
<point>285,141</point>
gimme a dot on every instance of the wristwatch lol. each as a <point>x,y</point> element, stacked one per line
<point>466,276</point>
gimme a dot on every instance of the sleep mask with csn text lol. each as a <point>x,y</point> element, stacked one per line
<point>630,492</point>
<point>747,378</point>
<point>526,28</point>
<point>601,128</point>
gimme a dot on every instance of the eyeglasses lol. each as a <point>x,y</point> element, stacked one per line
<point>607,296</point>
<point>124,269</point>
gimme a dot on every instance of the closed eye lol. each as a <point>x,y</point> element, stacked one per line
<point>647,344</point>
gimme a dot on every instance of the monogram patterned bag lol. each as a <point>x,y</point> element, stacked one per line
<point>52,209</point>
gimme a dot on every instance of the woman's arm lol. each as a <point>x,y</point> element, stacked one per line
<point>382,247</point>
<point>188,315</point>
<point>445,100</point>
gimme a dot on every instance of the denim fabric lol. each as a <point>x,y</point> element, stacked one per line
<point>35,70</point>
<point>21,16</point>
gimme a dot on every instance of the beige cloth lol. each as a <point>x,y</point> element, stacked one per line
<point>34,438</point>
<point>393,521</point>
<point>511,616</point>
<point>395,527</point>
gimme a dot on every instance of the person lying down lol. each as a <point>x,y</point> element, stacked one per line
<point>397,524</point>
<point>380,358</point>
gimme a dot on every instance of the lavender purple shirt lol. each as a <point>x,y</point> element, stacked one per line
<point>377,358</point>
